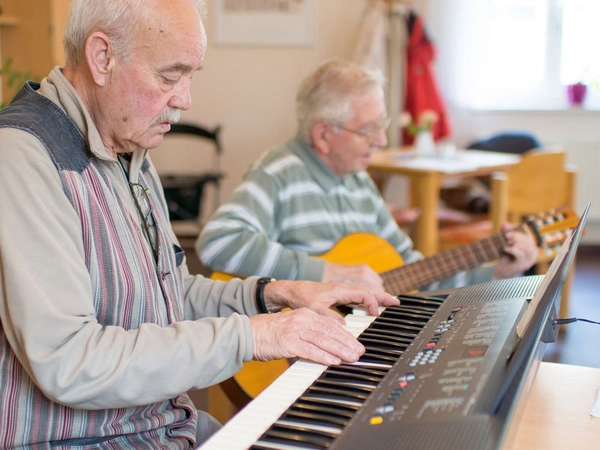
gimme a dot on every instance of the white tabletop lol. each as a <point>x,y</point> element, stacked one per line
<point>459,162</point>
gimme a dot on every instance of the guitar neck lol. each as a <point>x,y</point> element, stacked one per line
<point>465,257</point>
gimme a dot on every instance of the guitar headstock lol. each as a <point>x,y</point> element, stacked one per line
<point>550,229</point>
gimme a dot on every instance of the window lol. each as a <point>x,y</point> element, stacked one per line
<point>517,54</point>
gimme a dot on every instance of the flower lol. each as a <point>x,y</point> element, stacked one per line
<point>424,122</point>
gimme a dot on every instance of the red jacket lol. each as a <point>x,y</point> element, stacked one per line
<point>421,90</point>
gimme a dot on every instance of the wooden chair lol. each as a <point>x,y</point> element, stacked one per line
<point>540,182</point>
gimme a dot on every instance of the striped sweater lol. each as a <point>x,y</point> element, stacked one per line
<point>291,206</point>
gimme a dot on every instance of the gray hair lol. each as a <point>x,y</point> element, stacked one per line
<point>120,20</point>
<point>327,93</point>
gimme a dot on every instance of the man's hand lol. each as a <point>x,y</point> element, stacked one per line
<point>312,330</point>
<point>519,255</point>
<point>320,297</point>
<point>360,274</point>
<point>304,334</point>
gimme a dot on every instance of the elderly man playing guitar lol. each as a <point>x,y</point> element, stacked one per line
<point>312,195</point>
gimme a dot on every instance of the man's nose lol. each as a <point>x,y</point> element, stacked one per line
<point>381,138</point>
<point>181,98</point>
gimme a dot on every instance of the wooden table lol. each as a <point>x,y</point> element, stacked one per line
<point>426,175</point>
<point>556,413</point>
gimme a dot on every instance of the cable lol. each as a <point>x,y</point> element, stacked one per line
<point>573,320</point>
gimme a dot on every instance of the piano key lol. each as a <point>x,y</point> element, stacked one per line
<point>365,340</point>
<point>358,375</point>
<point>375,365</point>
<point>349,382</point>
<point>330,401</point>
<point>333,399</point>
<point>370,356</point>
<point>289,433</point>
<point>295,413</point>
<point>394,352</point>
<point>339,391</point>
<point>319,407</point>
<point>385,336</point>
<point>306,425</point>
<point>278,446</point>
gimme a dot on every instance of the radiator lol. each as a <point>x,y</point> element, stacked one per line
<point>583,154</point>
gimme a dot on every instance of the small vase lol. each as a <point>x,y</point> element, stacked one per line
<point>576,93</point>
<point>424,144</point>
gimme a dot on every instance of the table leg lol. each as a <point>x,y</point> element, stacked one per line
<point>425,193</point>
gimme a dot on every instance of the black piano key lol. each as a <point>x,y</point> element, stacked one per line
<point>414,308</point>
<point>392,353</point>
<point>425,306</point>
<point>395,324</point>
<point>334,402</point>
<point>373,356</point>
<point>298,435</point>
<point>342,392</point>
<point>349,382</point>
<point>333,399</point>
<point>358,375</point>
<point>312,427</point>
<point>261,445</point>
<point>385,328</point>
<point>373,364</point>
<point>421,310</point>
<point>275,443</point>
<point>419,317</point>
<point>315,417</point>
<point>386,336</point>
<point>383,343</point>
<point>416,300</point>
<point>322,408</point>
<point>355,368</point>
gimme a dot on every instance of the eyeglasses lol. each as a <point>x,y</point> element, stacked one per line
<point>371,132</point>
<point>144,207</point>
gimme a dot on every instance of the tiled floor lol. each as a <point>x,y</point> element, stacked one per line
<point>579,343</point>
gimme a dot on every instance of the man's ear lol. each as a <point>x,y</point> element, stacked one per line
<point>320,136</point>
<point>100,58</point>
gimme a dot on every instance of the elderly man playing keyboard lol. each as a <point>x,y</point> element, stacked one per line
<point>103,330</point>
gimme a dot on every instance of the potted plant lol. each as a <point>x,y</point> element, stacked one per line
<point>424,143</point>
<point>13,77</point>
<point>576,93</point>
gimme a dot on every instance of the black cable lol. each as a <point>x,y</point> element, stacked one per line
<point>573,320</point>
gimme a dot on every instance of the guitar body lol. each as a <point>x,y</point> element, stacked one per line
<point>364,248</point>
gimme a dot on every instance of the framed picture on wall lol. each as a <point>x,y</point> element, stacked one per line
<point>290,23</point>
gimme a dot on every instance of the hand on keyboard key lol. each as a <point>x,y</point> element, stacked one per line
<point>305,334</point>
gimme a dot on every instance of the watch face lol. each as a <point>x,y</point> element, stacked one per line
<point>265,280</point>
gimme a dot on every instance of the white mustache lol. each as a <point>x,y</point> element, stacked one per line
<point>170,115</point>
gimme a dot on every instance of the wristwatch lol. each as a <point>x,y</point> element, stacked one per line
<point>259,294</point>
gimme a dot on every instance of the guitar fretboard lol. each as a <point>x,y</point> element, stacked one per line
<point>421,273</point>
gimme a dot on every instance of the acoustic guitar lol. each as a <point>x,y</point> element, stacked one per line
<point>548,229</point>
